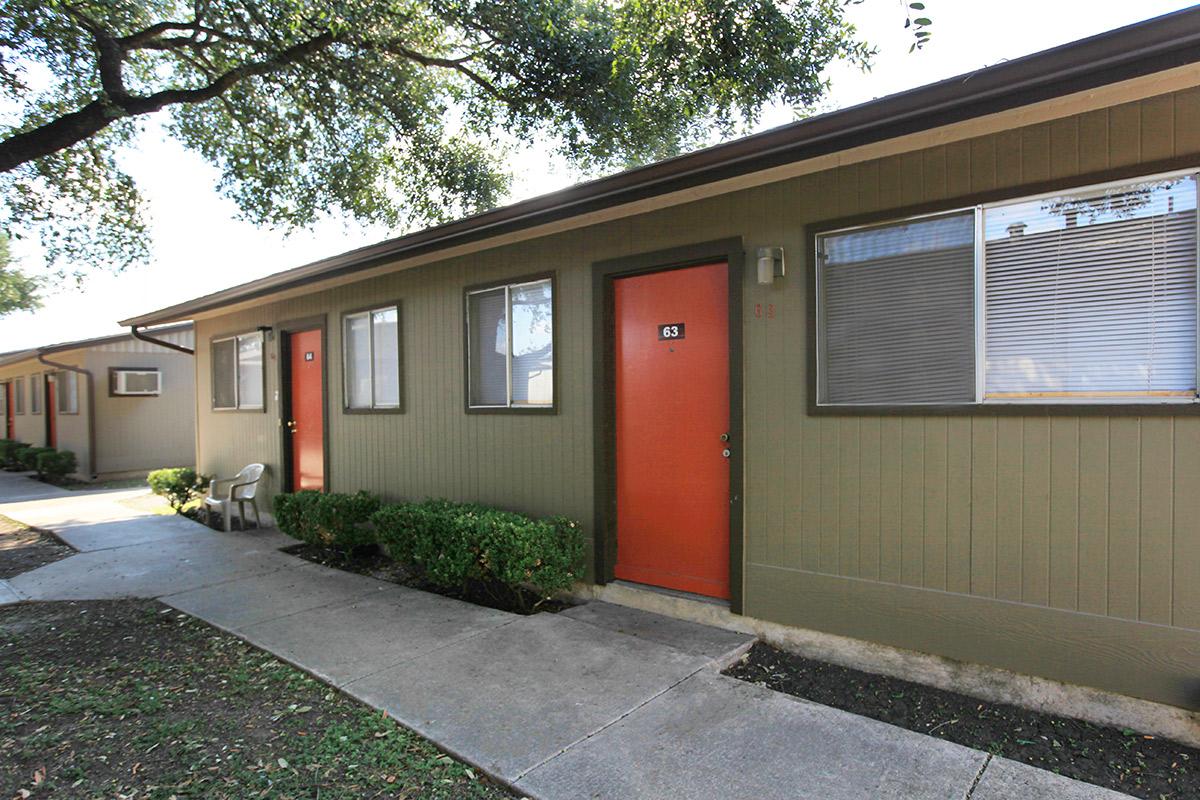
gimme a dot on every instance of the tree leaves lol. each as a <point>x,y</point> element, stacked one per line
<point>387,111</point>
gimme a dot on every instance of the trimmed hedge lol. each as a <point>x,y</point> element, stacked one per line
<point>26,456</point>
<point>456,544</point>
<point>55,465</point>
<point>8,451</point>
<point>179,485</point>
<point>336,521</point>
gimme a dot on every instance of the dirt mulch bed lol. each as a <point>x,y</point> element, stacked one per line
<point>1123,760</point>
<point>369,561</point>
<point>133,699</point>
<point>23,548</point>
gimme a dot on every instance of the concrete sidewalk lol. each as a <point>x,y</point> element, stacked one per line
<point>599,701</point>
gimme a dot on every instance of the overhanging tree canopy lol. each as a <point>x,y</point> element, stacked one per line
<point>385,110</point>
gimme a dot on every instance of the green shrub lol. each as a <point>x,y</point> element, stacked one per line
<point>26,457</point>
<point>179,485</point>
<point>336,521</point>
<point>456,544</point>
<point>8,450</point>
<point>54,465</point>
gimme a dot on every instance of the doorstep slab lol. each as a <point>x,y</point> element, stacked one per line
<point>345,642</point>
<point>293,587</point>
<point>690,637</point>
<point>1005,779</point>
<point>510,698</point>
<point>713,736</point>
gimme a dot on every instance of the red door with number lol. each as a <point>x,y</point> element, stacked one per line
<point>51,412</point>
<point>672,428</point>
<point>306,403</point>
<point>10,423</point>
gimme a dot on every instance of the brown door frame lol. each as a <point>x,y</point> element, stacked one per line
<point>285,331</point>
<point>732,252</point>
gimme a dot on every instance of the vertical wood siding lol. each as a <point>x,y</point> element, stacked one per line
<point>1092,514</point>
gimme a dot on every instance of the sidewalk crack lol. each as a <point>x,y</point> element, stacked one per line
<point>520,777</point>
<point>978,777</point>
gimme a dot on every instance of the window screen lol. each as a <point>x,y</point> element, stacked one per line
<point>36,391</point>
<point>19,395</point>
<point>488,331</point>
<point>1093,294</point>
<point>224,358</point>
<point>67,392</point>
<point>897,321</point>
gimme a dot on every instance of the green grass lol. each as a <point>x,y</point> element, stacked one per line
<point>130,699</point>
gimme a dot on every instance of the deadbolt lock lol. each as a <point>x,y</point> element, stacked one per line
<point>724,437</point>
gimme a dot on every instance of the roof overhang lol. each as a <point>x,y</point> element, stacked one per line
<point>1150,47</point>
<point>18,356</point>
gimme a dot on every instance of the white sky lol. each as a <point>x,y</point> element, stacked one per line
<point>199,246</point>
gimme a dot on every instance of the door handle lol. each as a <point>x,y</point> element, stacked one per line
<point>726,452</point>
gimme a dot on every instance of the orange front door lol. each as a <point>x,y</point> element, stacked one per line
<point>51,413</point>
<point>306,401</point>
<point>10,423</point>
<point>672,410</point>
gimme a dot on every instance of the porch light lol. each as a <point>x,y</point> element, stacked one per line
<point>770,264</point>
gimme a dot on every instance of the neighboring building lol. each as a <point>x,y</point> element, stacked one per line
<point>958,415</point>
<point>123,406</point>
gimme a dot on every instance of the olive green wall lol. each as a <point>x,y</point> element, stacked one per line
<point>1064,546</point>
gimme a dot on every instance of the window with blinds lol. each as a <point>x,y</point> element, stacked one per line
<point>1084,296</point>
<point>897,312</point>
<point>1093,294</point>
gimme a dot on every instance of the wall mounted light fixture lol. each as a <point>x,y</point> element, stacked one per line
<point>770,264</point>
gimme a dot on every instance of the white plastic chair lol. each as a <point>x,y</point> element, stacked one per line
<point>242,489</point>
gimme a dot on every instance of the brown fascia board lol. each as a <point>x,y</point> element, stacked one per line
<point>60,347</point>
<point>1155,45</point>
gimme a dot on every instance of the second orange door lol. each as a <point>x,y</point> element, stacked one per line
<point>671,343</point>
<point>306,402</point>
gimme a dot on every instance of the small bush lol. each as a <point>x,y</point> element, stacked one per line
<point>459,544</point>
<point>8,450</point>
<point>54,465</point>
<point>336,521</point>
<point>179,485</point>
<point>26,457</point>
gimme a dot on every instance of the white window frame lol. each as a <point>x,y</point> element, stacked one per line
<point>980,310</point>
<point>237,365</point>
<point>369,315</point>
<point>508,288</point>
<point>120,375</point>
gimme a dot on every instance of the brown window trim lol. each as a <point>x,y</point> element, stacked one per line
<point>212,366</point>
<point>811,231</point>
<point>551,409</point>
<point>397,409</point>
<point>112,381</point>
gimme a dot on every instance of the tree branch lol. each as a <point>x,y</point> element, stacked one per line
<point>70,129</point>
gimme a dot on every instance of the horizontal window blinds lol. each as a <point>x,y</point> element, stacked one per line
<point>897,313</point>
<point>1093,294</point>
